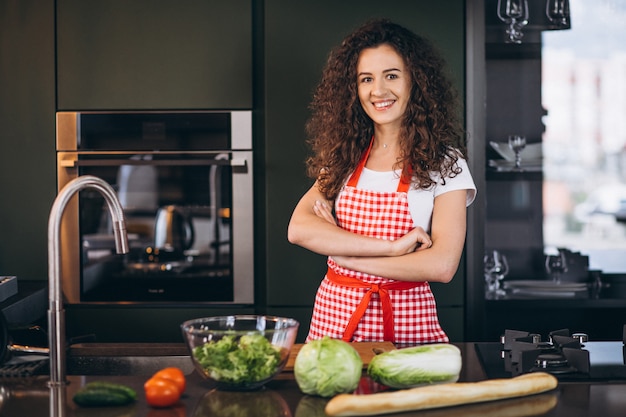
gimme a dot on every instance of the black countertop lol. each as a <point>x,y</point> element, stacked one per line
<point>282,397</point>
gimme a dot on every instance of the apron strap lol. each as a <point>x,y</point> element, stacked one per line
<point>405,181</point>
<point>354,178</point>
<point>383,292</point>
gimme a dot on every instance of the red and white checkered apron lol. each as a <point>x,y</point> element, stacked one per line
<point>400,311</point>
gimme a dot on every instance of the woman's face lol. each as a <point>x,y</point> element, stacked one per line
<point>384,84</point>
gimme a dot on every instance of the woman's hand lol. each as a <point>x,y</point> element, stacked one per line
<point>416,240</point>
<point>324,211</point>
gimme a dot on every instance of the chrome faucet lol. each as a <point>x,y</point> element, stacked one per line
<point>56,312</point>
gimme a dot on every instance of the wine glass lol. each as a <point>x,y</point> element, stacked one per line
<point>496,268</point>
<point>515,14</point>
<point>556,265</point>
<point>558,13</point>
<point>517,143</point>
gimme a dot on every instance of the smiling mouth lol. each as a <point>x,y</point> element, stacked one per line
<point>383,105</point>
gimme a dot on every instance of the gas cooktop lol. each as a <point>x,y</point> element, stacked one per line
<point>569,357</point>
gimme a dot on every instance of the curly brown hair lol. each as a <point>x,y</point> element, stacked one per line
<point>339,131</point>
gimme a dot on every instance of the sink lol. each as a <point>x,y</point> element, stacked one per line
<point>126,358</point>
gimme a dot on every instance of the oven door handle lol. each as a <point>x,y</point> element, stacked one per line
<point>67,163</point>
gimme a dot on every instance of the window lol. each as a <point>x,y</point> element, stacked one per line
<point>584,144</point>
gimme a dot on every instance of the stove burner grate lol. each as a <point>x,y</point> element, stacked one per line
<point>562,355</point>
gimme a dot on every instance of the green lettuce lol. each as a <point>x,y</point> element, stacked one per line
<point>415,366</point>
<point>250,359</point>
<point>327,367</point>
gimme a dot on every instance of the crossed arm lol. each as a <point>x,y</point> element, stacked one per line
<point>415,256</point>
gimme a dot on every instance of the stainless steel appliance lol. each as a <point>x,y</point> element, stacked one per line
<point>568,356</point>
<point>185,180</point>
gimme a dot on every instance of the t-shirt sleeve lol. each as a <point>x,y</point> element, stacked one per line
<point>462,181</point>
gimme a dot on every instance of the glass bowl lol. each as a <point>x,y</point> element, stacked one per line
<point>240,352</point>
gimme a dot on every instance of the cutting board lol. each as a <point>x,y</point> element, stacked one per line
<point>367,350</point>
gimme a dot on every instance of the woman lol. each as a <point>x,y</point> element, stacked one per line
<point>392,185</point>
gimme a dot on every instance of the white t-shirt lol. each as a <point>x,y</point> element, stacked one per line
<point>421,202</point>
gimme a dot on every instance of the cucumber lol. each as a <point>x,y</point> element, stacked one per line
<point>122,389</point>
<point>104,394</point>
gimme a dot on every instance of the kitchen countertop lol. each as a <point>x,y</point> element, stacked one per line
<point>31,397</point>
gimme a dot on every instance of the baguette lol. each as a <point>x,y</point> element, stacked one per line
<point>443,395</point>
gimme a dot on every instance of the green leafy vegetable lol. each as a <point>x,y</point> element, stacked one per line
<point>414,366</point>
<point>250,359</point>
<point>327,367</point>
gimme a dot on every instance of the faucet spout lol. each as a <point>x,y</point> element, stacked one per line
<point>56,312</point>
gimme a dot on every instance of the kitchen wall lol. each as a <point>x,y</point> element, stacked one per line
<point>290,41</point>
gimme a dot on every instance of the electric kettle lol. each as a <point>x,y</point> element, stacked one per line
<point>173,229</point>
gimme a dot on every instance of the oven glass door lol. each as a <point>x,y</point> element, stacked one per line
<point>180,209</point>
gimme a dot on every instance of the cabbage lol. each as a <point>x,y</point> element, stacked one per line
<point>327,367</point>
<point>414,366</point>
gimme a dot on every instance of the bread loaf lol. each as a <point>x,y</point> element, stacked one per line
<point>443,395</point>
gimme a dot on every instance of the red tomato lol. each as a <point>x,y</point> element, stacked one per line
<point>175,375</point>
<point>161,392</point>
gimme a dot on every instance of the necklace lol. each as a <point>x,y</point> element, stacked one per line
<point>384,145</point>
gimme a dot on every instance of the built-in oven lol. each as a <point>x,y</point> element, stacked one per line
<point>185,181</point>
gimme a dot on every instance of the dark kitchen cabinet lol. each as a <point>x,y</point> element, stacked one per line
<point>295,49</point>
<point>514,210</point>
<point>154,54</point>
<point>27,163</point>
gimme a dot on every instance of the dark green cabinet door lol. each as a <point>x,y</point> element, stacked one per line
<point>27,162</point>
<point>154,54</point>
